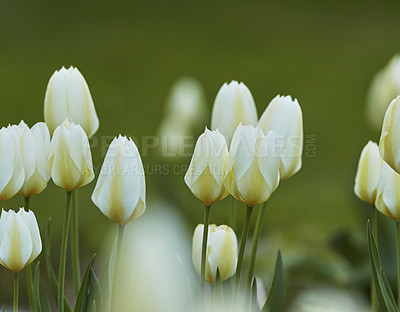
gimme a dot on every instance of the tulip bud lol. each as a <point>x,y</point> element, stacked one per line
<point>70,161</point>
<point>222,251</point>
<point>207,168</point>
<point>234,104</point>
<point>20,242</point>
<point>367,177</point>
<point>283,115</point>
<point>389,143</point>
<point>253,166</point>
<point>120,189</point>
<point>11,168</point>
<point>34,144</point>
<point>68,96</point>
<point>384,87</point>
<point>387,198</point>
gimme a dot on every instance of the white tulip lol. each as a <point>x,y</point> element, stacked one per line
<point>389,143</point>
<point>34,144</point>
<point>234,104</point>
<point>253,167</point>
<point>384,87</point>
<point>283,115</point>
<point>369,169</point>
<point>20,242</point>
<point>222,252</point>
<point>207,168</point>
<point>68,96</point>
<point>11,167</point>
<point>120,191</point>
<point>387,198</point>
<point>70,161</point>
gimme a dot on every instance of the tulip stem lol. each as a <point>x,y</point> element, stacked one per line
<point>398,263</point>
<point>254,247</point>
<point>63,255</point>
<point>75,244</point>
<point>29,277</point>
<point>120,239</point>
<point>242,248</point>
<point>16,286</point>
<point>374,227</point>
<point>204,252</point>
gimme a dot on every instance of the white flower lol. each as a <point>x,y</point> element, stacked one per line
<point>68,96</point>
<point>120,191</point>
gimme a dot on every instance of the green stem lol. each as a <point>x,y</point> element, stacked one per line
<point>75,244</point>
<point>120,238</point>
<point>63,256</point>
<point>398,264</point>
<point>233,213</point>
<point>16,282</point>
<point>29,281</point>
<point>29,276</point>
<point>374,227</point>
<point>242,247</point>
<point>254,247</point>
<point>204,252</point>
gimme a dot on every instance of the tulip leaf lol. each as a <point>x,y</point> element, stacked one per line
<point>50,271</point>
<point>3,309</point>
<point>276,295</point>
<point>383,290</point>
<point>84,291</point>
<point>95,295</point>
<point>41,300</point>
<point>254,301</point>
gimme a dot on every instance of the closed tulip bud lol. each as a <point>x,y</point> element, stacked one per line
<point>120,191</point>
<point>389,143</point>
<point>222,252</point>
<point>70,161</point>
<point>384,87</point>
<point>20,242</point>
<point>207,168</point>
<point>369,169</point>
<point>68,96</point>
<point>283,115</point>
<point>11,168</point>
<point>387,199</point>
<point>34,144</point>
<point>253,166</point>
<point>234,104</point>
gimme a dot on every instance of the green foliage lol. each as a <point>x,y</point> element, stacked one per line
<point>86,288</point>
<point>276,295</point>
<point>254,302</point>
<point>383,291</point>
<point>3,309</point>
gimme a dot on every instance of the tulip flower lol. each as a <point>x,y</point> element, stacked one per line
<point>11,167</point>
<point>283,115</point>
<point>120,189</point>
<point>208,167</point>
<point>367,177</point>
<point>234,104</point>
<point>20,242</point>
<point>70,160</point>
<point>68,96</point>
<point>389,143</point>
<point>384,87</point>
<point>222,252</point>
<point>387,199</point>
<point>34,144</point>
<point>253,166</point>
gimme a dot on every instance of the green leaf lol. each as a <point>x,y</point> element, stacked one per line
<point>95,296</point>
<point>44,300</point>
<point>383,290</point>
<point>83,295</point>
<point>254,301</point>
<point>36,292</point>
<point>276,295</point>
<point>3,309</point>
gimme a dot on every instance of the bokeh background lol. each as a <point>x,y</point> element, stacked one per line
<point>322,53</point>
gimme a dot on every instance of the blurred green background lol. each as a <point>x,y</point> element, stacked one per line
<point>324,53</point>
